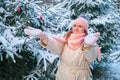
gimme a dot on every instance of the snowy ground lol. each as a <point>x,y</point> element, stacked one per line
<point>115,70</point>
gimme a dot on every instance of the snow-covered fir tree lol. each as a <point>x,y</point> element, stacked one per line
<point>16,52</point>
<point>23,58</point>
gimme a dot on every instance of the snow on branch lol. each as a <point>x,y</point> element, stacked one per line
<point>102,20</point>
<point>115,56</point>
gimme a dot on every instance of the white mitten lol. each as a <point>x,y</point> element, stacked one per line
<point>32,32</point>
<point>35,32</point>
<point>91,39</point>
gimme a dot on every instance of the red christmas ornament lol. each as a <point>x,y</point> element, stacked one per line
<point>18,10</point>
<point>41,18</point>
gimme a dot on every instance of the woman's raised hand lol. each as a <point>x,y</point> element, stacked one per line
<point>91,39</point>
<point>35,32</point>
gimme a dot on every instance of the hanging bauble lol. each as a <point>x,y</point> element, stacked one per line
<point>19,9</point>
<point>41,17</point>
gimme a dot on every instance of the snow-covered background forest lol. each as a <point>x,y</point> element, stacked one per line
<point>21,56</point>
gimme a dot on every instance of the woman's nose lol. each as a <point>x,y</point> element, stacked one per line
<point>76,27</point>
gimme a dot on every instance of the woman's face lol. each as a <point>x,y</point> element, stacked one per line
<point>77,28</point>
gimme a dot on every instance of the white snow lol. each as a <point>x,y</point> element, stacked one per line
<point>61,17</point>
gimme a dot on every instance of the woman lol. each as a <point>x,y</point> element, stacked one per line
<point>76,50</point>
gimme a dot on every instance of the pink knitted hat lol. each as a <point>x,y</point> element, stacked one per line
<point>83,22</point>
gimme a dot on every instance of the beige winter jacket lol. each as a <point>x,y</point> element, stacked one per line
<point>74,64</point>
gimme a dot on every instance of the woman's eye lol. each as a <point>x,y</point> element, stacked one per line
<point>80,26</point>
<point>74,25</point>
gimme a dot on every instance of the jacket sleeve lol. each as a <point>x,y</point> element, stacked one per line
<point>53,45</point>
<point>90,54</point>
